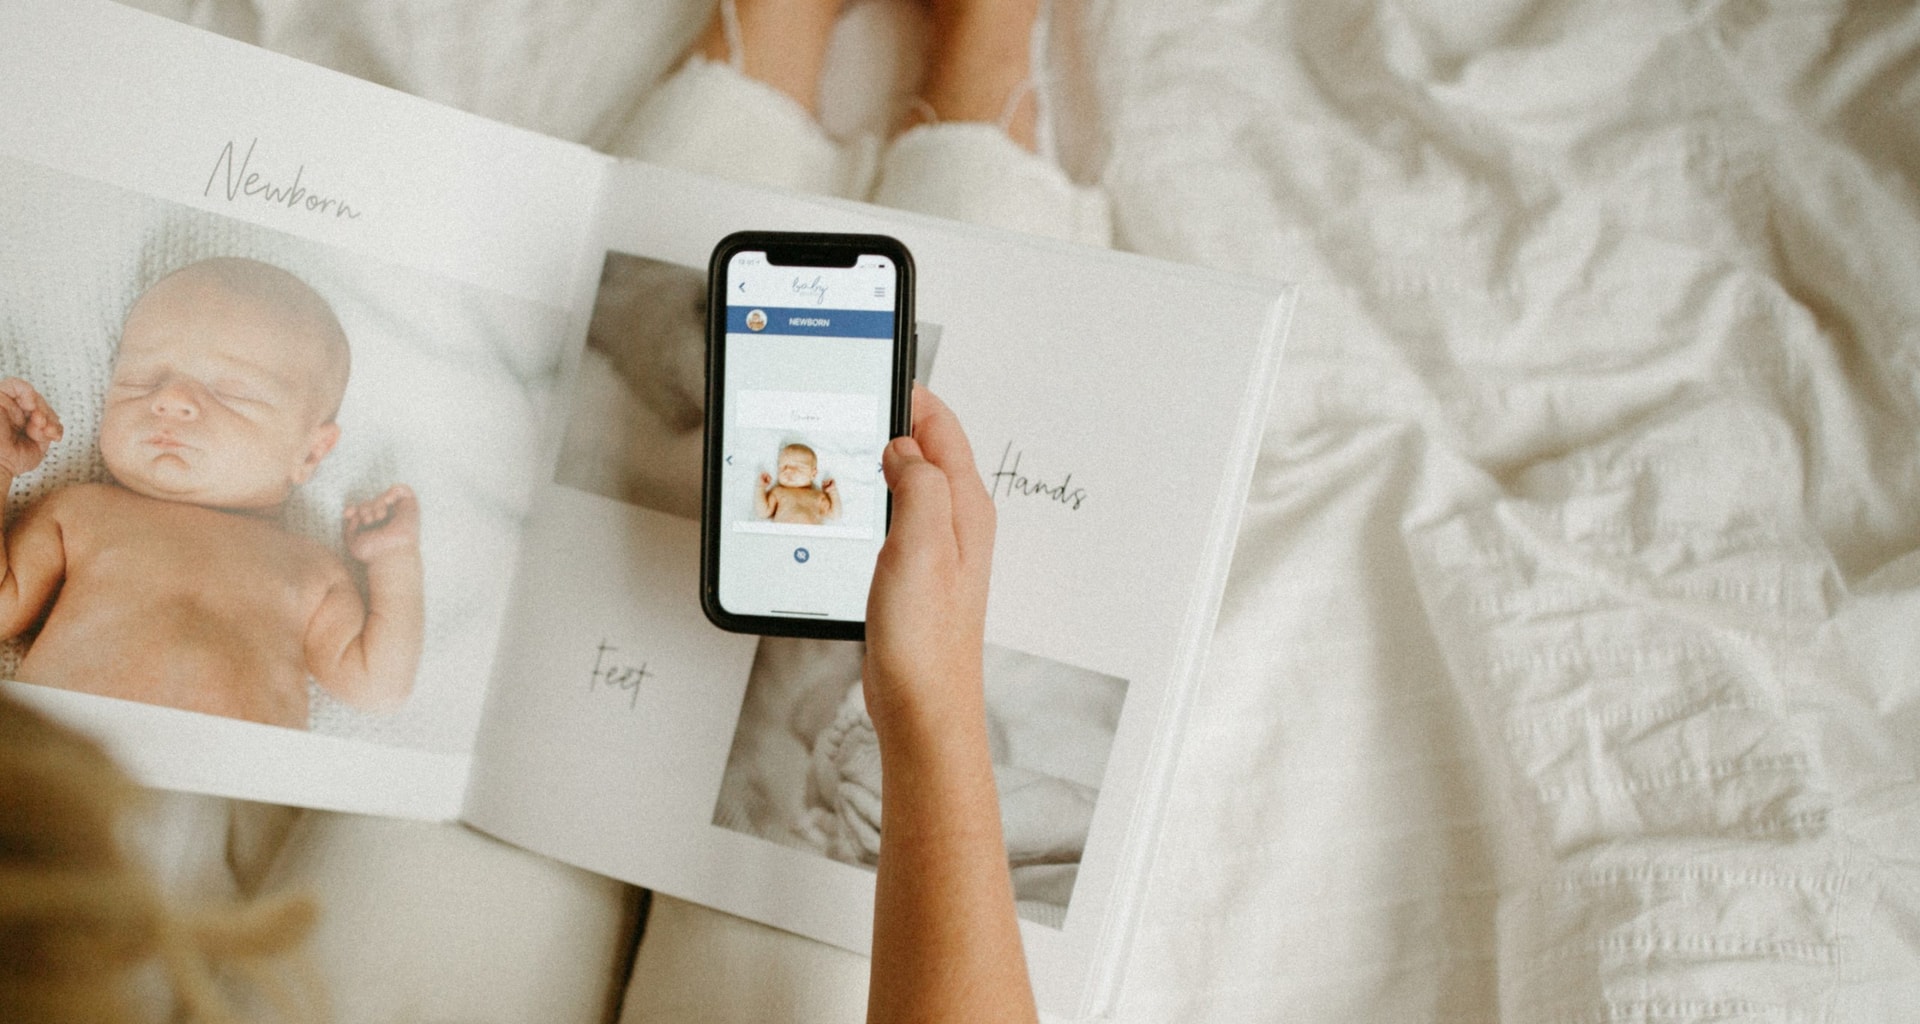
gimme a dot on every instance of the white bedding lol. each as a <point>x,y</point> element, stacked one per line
<point>1569,668</point>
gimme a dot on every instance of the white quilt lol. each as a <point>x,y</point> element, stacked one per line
<point>1569,668</point>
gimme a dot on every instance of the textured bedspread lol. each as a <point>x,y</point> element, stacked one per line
<point>1569,668</point>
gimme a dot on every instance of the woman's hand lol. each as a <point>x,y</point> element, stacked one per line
<point>946,945</point>
<point>926,612</point>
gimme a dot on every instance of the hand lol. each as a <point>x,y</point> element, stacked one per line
<point>387,524</point>
<point>766,482</point>
<point>31,427</point>
<point>926,612</point>
<point>828,486</point>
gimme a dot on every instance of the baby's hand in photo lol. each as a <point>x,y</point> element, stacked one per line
<point>828,486</point>
<point>31,427</point>
<point>382,526</point>
<point>766,481</point>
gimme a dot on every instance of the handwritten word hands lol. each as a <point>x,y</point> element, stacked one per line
<point>382,526</point>
<point>31,427</point>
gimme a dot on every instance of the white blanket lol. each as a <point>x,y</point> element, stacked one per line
<point>1568,669</point>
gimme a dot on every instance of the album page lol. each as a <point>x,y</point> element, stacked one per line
<point>301,335</point>
<point>627,735</point>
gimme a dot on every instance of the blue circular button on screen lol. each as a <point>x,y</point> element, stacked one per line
<point>800,554</point>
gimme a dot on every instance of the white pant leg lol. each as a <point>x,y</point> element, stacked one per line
<point>423,922</point>
<point>709,118</point>
<point>973,172</point>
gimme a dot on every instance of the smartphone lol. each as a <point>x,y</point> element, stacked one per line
<point>810,354</point>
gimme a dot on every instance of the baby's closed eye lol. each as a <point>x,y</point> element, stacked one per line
<point>238,396</point>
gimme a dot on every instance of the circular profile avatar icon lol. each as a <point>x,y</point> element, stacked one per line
<point>756,320</point>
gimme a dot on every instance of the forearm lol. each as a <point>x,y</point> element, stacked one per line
<point>32,560</point>
<point>946,944</point>
<point>12,605</point>
<point>378,669</point>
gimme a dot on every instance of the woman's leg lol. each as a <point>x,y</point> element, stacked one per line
<point>780,42</point>
<point>743,104</point>
<point>981,67</point>
<point>969,152</point>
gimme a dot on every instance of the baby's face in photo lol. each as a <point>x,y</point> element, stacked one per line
<point>797,467</point>
<point>224,388</point>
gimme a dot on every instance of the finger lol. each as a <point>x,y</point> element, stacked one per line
<point>45,426</point>
<point>18,398</point>
<point>922,506</point>
<point>18,392</point>
<point>938,432</point>
<point>46,421</point>
<point>31,404</point>
<point>897,454</point>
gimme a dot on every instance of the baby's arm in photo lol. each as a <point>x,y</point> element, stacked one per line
<point>829,499</point>
<point>366,654</point>
<point>763,497</point>
<point>33,558</point>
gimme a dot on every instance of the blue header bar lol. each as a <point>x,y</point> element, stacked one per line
<point>835,323</point>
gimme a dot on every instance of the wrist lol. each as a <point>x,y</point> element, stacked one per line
<point>928,714</point>
<point>395,563</point>
<point>938,783</point>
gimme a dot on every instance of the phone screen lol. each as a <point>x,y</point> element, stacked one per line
<point>808,385</point>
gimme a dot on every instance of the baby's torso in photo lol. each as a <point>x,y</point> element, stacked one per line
<point>176,604</point>
<point>799,505</point>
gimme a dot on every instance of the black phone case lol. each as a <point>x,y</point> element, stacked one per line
<point>795,248</point>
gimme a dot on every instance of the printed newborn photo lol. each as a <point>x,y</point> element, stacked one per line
<point>175,580</point>
<point>215,500</point>
<point>635,430</point>
<point>804,768</point>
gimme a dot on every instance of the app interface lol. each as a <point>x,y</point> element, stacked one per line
<point>809,366</point>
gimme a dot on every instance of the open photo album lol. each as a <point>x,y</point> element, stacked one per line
<point>355,461</point>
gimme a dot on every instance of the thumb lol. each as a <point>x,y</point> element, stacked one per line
<point>922,501</point>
